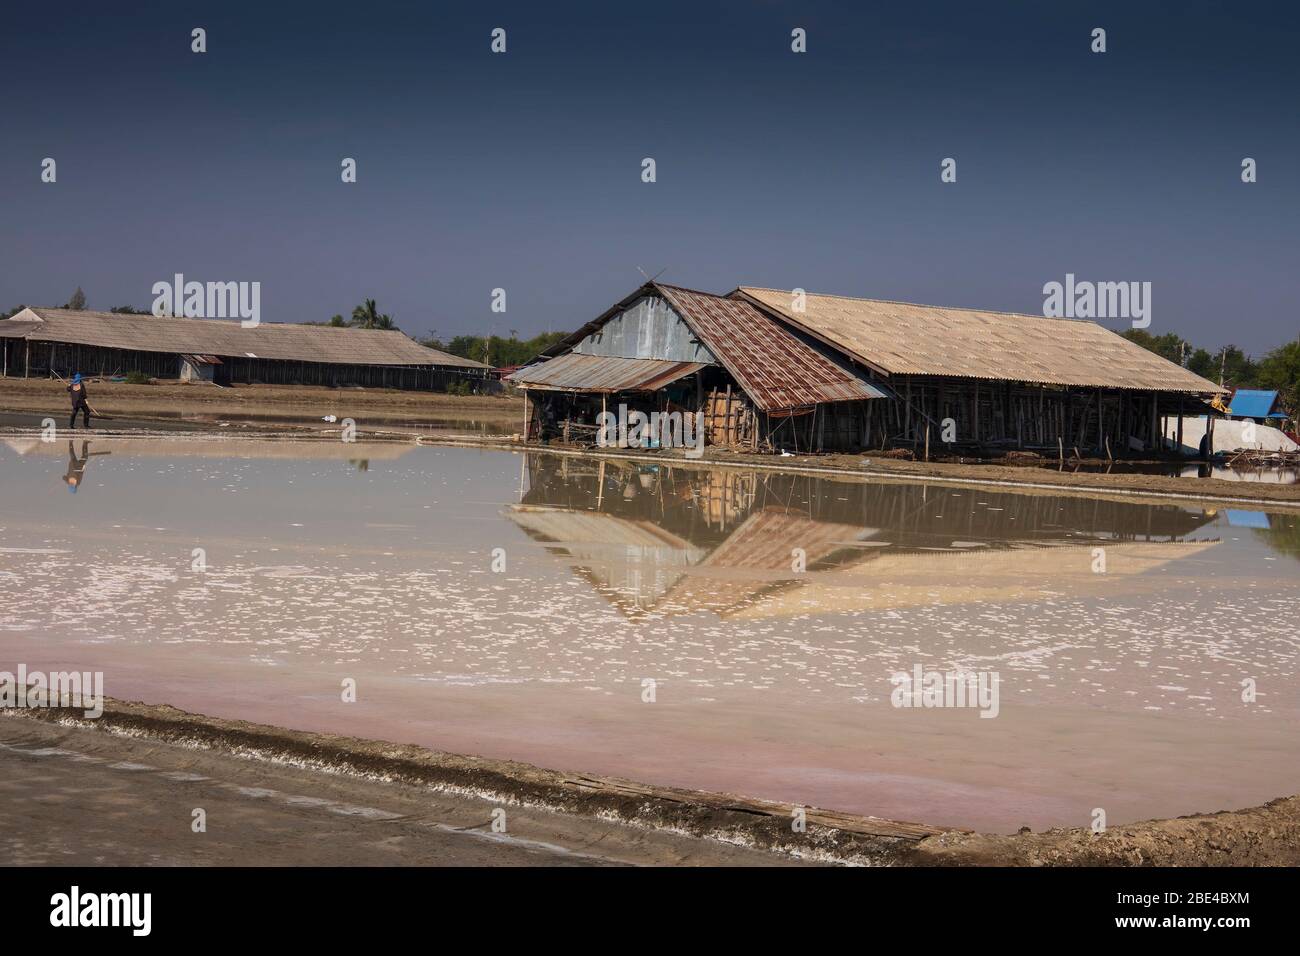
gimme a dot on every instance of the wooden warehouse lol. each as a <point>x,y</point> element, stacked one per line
<point>669,349</point>
<point>998,379</point>
<point>38,342</point>
<point>772,370</point>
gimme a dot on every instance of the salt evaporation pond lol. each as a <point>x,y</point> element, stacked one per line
<point>1121,690</point>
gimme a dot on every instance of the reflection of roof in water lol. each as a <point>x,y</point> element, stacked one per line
<point>633,563</point>
<point>680,540</point>
<point>763,547</point>
<point>894,580</point>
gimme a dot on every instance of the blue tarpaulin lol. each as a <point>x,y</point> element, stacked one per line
<point>1255,403</point>
<point>1247,519</point>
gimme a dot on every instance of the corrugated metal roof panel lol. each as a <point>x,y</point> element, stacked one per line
<point>296,343</point>
<point>576,372</point>
<point>16,328</point>
<point>777,370</point>
<point>900,338</point>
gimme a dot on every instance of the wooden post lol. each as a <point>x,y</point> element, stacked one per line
<point>527,408</point>
<point>27,358</point>
<point>726,419</point>
<point>1101,421</point>
<point>1180,425</point>
<point>907,419</point>
<point>927,441</point>
<point>1155,424</point>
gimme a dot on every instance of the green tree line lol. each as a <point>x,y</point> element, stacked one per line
<point>1279,368</point>
<point>495,350</point>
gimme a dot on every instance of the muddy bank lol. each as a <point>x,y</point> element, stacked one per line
<point>23,426</point>
<point>494,422</point>
<point>1259,836</point>
<point>721,817</point>
<point>73,796</point>
<point>1026,479</point>
<point>273,404</point>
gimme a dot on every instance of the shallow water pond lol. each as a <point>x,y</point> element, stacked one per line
<point>724,629</point>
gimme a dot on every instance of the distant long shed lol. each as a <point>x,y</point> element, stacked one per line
<point>773,369</point>
<point>38,341</point>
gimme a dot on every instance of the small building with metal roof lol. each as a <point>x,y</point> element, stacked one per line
<point>668,349</point>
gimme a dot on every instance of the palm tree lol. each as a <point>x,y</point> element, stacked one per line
<point>368,316</point>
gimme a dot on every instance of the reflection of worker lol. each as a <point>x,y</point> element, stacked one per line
<point>76,466</point>
<point>77,390</point>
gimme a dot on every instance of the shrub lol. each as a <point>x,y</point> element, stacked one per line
<point>137,378</point>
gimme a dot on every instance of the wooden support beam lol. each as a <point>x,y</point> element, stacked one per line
<point>1180,425</point>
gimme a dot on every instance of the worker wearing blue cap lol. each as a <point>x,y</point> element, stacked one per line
<point>77,390</point>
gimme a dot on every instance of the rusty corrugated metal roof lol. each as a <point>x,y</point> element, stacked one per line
<point>899,338</point>
<point>778,371</point>
<point>574,372</point>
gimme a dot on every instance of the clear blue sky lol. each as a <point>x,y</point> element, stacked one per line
<point>523,170</point>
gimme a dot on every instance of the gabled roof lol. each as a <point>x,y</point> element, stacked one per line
<point>899,338</point>
<point>776,369</point>
<point>1255,403</point>
<point>298,343</point>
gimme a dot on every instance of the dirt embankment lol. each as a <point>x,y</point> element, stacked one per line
<point>283,404</point>
<point>871,465</point>
<point>379,412</point>
<point>1259,836</point>
<point>1013,470</point>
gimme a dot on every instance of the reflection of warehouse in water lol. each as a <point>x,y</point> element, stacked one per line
<point>673,539</point>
